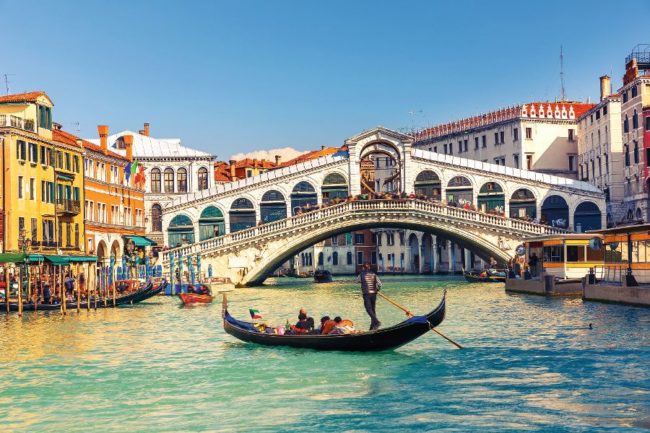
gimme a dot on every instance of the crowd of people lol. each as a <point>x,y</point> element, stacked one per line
<point>518,267</point>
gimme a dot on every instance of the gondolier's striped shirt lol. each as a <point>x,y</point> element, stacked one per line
<point>370,282</point>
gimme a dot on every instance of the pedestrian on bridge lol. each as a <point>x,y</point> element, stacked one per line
<point>370,285</point>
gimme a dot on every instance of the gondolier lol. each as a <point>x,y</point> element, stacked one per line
<point>370,285</point>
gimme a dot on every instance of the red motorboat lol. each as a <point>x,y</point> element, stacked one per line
<point>203,297</point>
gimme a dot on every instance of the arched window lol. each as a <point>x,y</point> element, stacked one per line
<point>630,214</point>
<point>427,183</point>
<point>491,198</point>
<point>242,215</point>
<point>169,180</point>
<point>203,178</point>
<point>303,197</point>
<point>635,120</point>
<point>321,259</point>
<point>335,258</point>
<point>555,212</point>
<point>334,186</point>
<point>273,207</point>
<point>459,191</point>
<point>181,231</point>
<point>156,216</point>
<point>349,258</point>
<point>636,152</point>
<point>638,214</point>
<point>626,150</point>
<point>211,223</point>
<point>155,180</point>
<point>182,180</point>
<point>586,217</point>
<point>626,125</point>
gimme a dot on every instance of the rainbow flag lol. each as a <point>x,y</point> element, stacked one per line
<point>255,314</point>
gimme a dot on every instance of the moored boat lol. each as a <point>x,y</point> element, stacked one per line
<point>195,298</point>
<point>380,339</point>
<point>484,277</point>
<point>322,276</point>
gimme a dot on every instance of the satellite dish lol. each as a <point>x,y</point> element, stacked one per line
<point>520,250</point>
<point>596,243</point>
<point>613,245</point>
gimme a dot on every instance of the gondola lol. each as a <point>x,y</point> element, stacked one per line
<point>381,339</point>
<point>473,277</point>
<point>139,295</point>
<point>322,276</point>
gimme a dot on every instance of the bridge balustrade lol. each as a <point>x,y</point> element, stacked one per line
<point>328,213</point>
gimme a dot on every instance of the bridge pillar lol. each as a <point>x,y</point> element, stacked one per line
<point>354,167</point>
<point>450,257</point>
<point>408,180</point>
<point>434,254</point>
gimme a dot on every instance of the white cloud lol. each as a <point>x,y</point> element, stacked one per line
<point>286,153</point>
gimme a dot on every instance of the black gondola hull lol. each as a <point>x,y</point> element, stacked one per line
<point>382,339</point>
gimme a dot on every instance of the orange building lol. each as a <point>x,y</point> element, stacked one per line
<point>114,203</point>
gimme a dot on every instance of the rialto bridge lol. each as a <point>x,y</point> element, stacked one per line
<point>247,228</point>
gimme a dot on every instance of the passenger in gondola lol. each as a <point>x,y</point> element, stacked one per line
<point>203,289</point>
<point>302,326</point>
<point>310,320</point>
<point>47,294</point>
<point>190,288</point>
<point>326,325</point>
<point>342,326</point>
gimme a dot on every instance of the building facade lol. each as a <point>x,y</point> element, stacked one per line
<point>42,180</point>
<point>539,136</point>
<point>601,160</point>
<point>114,202</point>
<point>168,170</point>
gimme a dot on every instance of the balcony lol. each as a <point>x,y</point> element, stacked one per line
<point>68,207</point>
<point>8,120</point>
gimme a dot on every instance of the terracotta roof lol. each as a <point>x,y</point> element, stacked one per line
<point>23,97</point>
<point>66,137</point>
<point>312,155</point>
<point>222,172</point>
<point>248,162</point>
<point>567,110</point>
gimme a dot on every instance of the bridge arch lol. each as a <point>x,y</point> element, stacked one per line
<point>335,185</point>
<point>523,204</point>
<point>460,190</point>
<point>491,197</point>
<point>382,147</point>
<point>587,216</point>
<point>555,211</point>
<point>303,193</point>
<point>242,214</point>
<point>211,223</point>
<point>476,242</point>
<point>273,206</point>
<point>428,183</point>
<point>180,230</point>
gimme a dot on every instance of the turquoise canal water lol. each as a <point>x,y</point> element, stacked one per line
<point>530,363</point>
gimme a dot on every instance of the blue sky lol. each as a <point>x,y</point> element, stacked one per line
<point>243,75</point>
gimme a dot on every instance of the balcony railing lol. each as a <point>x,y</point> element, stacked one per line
<point>72,207</point>
<point>17,122</point>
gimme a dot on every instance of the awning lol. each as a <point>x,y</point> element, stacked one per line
<point>35,257</point>
<point>62,176</point>
<point>141,241</point>
<point>82,259</point>
<point>12,257</point>
<point>58,260</point>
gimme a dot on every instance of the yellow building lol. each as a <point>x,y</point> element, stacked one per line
<point>42,180</point>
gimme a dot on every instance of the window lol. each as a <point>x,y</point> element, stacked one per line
<point>34,225</point>
<point>529,133</point>
<point>515,134</point>
<point>21,150</point>
<point>359,257</point>
<point>502,137</point>
<point>571,135</point>
<point>484,141</point>
<point>169,180</point>
<point>529,162</point>
<point>156,218</point>
<point>182,180</point>
<point>349,258</point>
<point>60,234</point>
<point>626,126</point>
<point>21,225</point>
<point>515,160</point>
<point>435,148</point>
<point>358,238</point>
<point>634,91</point>
<point>647,123</point>
<point>451,149</point>
<point>625,96</point>
<point>334,241</point>
<point>20,187</point>
<point>464,145</point>
<point>571,162</point>
<point>607,163</point>
<point>496,138</point>
<point>373,257</point>
<point>626,150</point>
<point>68,165</point>
<point>476,142</point>
<point>335,258</point>
<point>33,153</point>
<point>604,110</point>
<point>43,155</point>
<point>32,189</point>
<point>635,120</point>
<point>76,235</point>
<point>445,149</point>
<point>401,238</point>
<point>75,164</point>
<point>460,146</point>
<point>597,114</point>
<point>68,236</point>
<point>636,152</point>
<point>378,238</point>
<point>203,178</point>
<point>155,180</point>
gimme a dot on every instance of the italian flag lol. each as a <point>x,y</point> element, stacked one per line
<point>255,314</point>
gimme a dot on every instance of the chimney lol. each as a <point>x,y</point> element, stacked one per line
<point>605,87</point>
<point>128,143</point>
<point>103,137</point>
<point>141,132</point>
<point>322,147</point>
<point>278,158</point>
<point>146,129</point>
<point>233,175</point>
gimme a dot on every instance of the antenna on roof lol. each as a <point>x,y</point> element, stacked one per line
<point>77,128</point>
<point>562,95</point>
<point>7,81</point>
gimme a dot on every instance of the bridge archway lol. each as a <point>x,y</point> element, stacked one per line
<point>181,231</point>
<point>555,212</point>
<point>242,215</point>
<point>211,223</point>
<point>380,168</point>
<point>428,183</point>
<point>460,191</point>
<point>491,197</point>
<point>523,204</point>
<point>335,185</point>
<point>303,195</point>
<point>273,206</point>
<point>272,259</point>
<point>587,216</point>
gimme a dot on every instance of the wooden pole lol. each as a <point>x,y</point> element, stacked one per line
<point>408,313</point>
<point>105,283</point>
<point>78,289</point>
<point>87,278</point>
<point>20,291</point>
<point>61,294</point>
<point>113,286</point>
<point>6,278</point>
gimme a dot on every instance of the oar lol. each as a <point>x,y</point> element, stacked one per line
<point>408,313</point>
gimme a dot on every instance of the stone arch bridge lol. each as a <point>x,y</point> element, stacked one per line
<point>247,227</point>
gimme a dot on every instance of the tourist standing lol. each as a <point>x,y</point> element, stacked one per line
<point>532,264</point>
<point>370,285</point>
